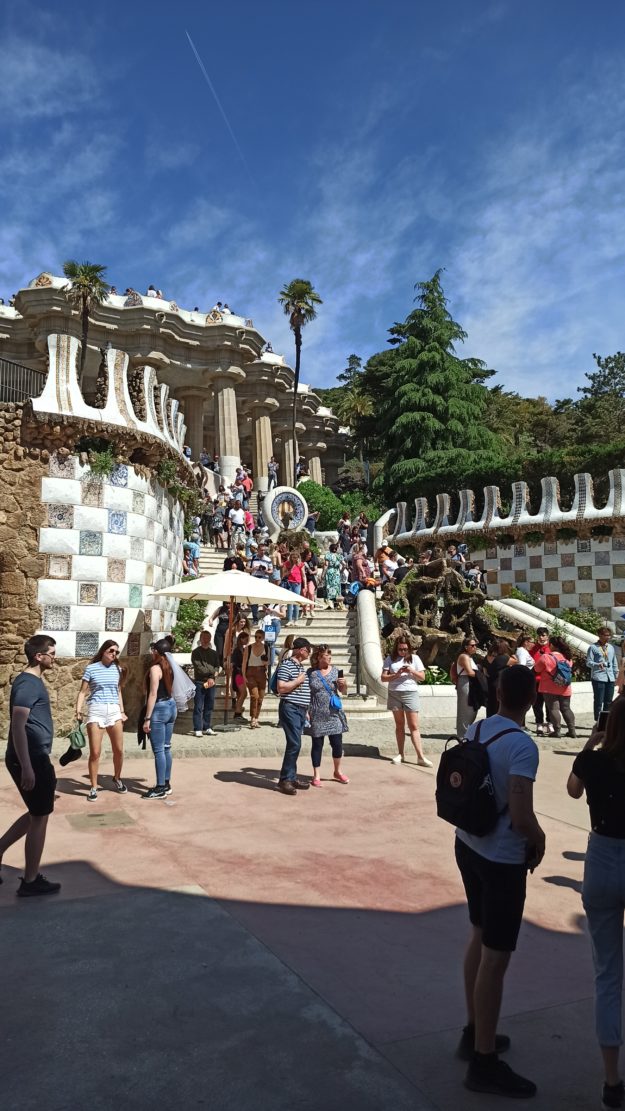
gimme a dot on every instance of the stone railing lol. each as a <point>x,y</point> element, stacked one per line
<point>149,410</point>
<point>582,516</point>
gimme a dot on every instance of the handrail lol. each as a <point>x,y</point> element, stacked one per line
<point>18,382</point>
<point>370,648</point>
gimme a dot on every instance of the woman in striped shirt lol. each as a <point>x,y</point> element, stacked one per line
<point>102,682</point>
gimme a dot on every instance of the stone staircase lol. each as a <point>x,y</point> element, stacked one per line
<point>337,628</point>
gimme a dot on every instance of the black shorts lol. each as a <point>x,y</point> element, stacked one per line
<point>40,801</point>
<point>495,895</point>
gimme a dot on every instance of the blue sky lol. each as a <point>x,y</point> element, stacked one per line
<point>380,141</point>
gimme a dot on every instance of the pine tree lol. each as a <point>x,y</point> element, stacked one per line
<point>429,404</point>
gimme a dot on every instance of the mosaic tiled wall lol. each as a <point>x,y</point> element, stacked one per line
<point>109,543</point>
<point>575,573</point>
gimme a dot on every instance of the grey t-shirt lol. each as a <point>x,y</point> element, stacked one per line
<point>514,754</point>
<point>30,691</point>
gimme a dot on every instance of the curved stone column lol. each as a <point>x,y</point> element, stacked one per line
<point>262,442</point>
<point>193,402</point>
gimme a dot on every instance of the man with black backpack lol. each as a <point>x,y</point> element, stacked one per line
<point>493,866</point>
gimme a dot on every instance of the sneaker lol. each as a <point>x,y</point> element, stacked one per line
<point>93,794</point>
<point>466,1045</point>
<point>210,733</point>
<point>120,786</point>
<point>541,730</point>
<point>497,1078</point>
<point>39,886</point>
<point>397,759</point>
<point>551,731</point>
<point>198,733</point>
<point>168,787</point>
<point>612,1095</point>
<point>423,762</point>
<point>156,793</point>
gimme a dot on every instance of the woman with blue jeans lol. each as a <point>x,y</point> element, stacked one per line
<point>601,661</point>
<point>600,771</point>
<point>160,716</point>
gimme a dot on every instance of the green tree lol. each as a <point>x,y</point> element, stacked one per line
<point>428,418</point>
<point>602,406</point>
<point>87,290</point>
<point>299,301</point>
<point>352,373</point>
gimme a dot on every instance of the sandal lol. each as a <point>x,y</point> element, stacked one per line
<point>340,778</point>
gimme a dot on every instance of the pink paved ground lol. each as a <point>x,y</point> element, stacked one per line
<point>355,888</point>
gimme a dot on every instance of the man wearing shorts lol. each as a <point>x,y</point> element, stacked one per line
<point>28,762</point>
<point>494,872</point>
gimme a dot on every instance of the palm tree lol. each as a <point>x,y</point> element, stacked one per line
<point>299,301</point>
<point>86,291</point>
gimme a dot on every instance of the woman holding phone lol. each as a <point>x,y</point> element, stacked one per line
<point>403,670</point>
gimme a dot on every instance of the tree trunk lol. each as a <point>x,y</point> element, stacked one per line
<point>83,349</point>
<point>298,355</point>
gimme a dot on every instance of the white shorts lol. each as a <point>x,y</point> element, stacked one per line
<point>104,714</point>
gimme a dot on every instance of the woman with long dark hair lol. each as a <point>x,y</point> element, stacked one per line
<point>160,716</point>
<point>403,670</point>
<point>463,671</point>
<point>600,771</point>
<point>101,686</point>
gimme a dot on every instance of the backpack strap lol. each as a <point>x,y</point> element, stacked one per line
<point>502,733</point>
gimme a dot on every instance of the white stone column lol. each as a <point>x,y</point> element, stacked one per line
<point>226,426</point>
<point>193,407</point>
<point>285,477</point>
<point>263,445</point>
<point>314,468</point>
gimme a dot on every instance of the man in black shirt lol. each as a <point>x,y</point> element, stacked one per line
<point>402,569</point>
<point>205,667</point>
<point>28,761</point>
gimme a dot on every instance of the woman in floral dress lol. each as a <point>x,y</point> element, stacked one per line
<point>333,575</point>
<point>325,721</point>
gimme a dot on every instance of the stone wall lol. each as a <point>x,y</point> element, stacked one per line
<point>80,555</point>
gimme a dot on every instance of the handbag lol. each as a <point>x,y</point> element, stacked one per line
<point>335,701</point>
<point>78,736</point>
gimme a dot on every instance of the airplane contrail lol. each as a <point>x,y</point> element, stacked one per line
<point>220,106</point>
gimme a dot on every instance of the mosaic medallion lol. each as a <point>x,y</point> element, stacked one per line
<point>118,522</point>
<point>60,516</point>
<point>584,546</point>
<point>602,559</point>
<point>56,618</point>
<point>59,567</point>
<point>584,572</point>
<point>92,488</point>
<point>90,543</point>
<point>62,468</point>
<point>114,621</point>
<point>116,570</point>
<point>136,597</point>
<point>86,644</point>
<point>119,475</point>
<point>88,594</point>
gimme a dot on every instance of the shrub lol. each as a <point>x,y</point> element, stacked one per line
<point>587,619</point>
<point>437,676</point>
<point>529,596</point>
<point>189,620</point>
<point>533,538</point>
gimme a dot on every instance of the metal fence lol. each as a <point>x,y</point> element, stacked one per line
<point>18,383</point>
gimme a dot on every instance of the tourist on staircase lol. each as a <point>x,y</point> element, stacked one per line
<point>332,577</point>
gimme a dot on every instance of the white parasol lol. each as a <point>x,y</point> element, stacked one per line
<point>232,587</point>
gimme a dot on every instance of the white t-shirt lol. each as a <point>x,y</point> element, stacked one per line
<point>524,657</point>
<point>514,754</point>
<point>388,567</point>
<point>403,682</point>
<point>237,516</point>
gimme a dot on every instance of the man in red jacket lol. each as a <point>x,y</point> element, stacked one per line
<point>541,647</point>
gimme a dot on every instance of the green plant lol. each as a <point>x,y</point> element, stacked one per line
<point>166,471</point>
<point>566,534</point>
<point>588,619</point>
<point>533,538</point>
<point>476,542</point>
<point>529,596</point>
<point>506,540</point>
<point>437,676</point>
<point>189,619</point>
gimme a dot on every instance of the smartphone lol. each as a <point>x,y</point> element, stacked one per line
<point>602,721</point>
<point>340,672</point>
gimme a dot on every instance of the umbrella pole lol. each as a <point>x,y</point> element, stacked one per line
<point>228,660</point>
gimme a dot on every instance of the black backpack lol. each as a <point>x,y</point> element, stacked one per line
<point>465,795</point>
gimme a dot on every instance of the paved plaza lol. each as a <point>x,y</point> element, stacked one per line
<point>234,948</point>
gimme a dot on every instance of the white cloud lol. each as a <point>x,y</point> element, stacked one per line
<point>39,82</point>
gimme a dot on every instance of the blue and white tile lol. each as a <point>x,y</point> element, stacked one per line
<point>64,491</point>
<point>56,617</point>
<point>117,497</point>
<point>117,522</point>
<point>56,541</point>
<point>87,644</point>
<point>114,595</point>
<point>90,518</point>
<point>119,475</point>
<point>57,592</point>
<point>87,619</point>
<point>86,568</point>
<point>136,571</point>
<point>116,547</point>
<point>90,542</point>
